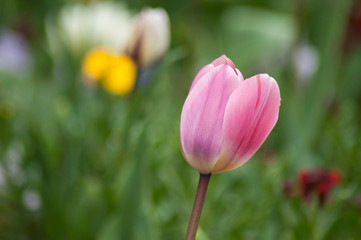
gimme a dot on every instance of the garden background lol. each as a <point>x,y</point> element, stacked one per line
<point>77,162</point>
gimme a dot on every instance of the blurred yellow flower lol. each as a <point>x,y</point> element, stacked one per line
<point>96,64</point>
<point>121,76</point>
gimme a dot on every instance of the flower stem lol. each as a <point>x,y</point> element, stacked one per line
<point>198,206</point>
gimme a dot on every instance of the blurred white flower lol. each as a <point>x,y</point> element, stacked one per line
<point>31,200</point>
<point>14,52</point>
<point>305,62</point>
<point>12,160</point>
<point>150,36</point>
<point>80,27</point>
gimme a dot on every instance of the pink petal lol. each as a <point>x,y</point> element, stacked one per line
<point>225,60</point>
<point>222,60</point>
<point>240,76</point>
<point>202,117</point>
<point>201,73</point>
<point>251,114</point>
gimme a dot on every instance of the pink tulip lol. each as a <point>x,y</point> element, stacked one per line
<point>225,119</point>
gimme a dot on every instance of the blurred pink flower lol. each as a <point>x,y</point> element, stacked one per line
<point>14,52</point>
<point>225,119</point>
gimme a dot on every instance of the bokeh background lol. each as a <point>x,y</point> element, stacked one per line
<point>79,163</point>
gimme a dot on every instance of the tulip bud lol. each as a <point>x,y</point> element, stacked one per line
<point>225,119</point>
<point>149,38</point>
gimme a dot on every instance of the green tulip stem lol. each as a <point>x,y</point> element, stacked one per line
<point>198,206</point>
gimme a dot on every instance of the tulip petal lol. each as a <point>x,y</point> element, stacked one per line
<point>155,35</point>
<point>206,69</point>
<point>225,60</point>
<point>202,117</point>
<point>251,114</point>
<point>222,60</point>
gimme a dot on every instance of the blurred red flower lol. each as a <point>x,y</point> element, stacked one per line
<point>318,181</point>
